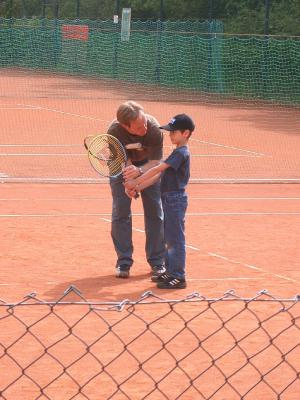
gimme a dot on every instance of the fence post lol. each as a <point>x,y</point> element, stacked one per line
<point>210,10</point>
<point>161,10</point>
<point>77,9</point>
<point>267,17</point>
<point>159,28</point>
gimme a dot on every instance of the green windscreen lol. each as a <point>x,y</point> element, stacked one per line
<point>244,94</point>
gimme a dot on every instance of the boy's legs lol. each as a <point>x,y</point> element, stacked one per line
<point>175,205</point>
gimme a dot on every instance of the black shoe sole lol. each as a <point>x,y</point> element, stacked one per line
<point>155,279</point>
<point>165,285</point>
<point>122,274</point>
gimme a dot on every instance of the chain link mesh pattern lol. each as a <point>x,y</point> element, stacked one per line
<point>193,348</point>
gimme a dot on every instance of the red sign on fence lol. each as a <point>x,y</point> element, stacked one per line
<point>75,32</point>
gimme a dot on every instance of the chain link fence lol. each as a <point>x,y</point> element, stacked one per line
<point>153,348</point>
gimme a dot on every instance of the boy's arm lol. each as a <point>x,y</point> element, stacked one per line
<point>147,178</point>
<point>155,170</point>
<point>146,182</point>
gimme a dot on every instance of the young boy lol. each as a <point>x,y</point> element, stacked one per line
<point>174,172</point>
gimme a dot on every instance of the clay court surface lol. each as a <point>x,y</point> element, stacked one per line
<point>240,236</point>
<point>243,237</point>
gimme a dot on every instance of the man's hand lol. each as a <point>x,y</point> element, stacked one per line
<point>131,193</point>
<point>131,172</point>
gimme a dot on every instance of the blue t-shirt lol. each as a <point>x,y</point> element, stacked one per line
<point>176,177</point>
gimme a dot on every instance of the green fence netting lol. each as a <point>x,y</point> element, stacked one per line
<point>250,68</point>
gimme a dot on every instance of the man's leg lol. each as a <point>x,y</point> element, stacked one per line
<point>154,226</point>
<point>121,227</point>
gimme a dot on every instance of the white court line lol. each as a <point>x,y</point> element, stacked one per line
<point>71,154</point>
<point>14,284</point>
<point>9,284</point>
<point>30,106</point>
<point>138,214</point>
<point>190,198</point>
<point>227,259</point>
<point>226,155</point>
<point>142,231</point>
<point>241,213</point>
<point>16,108</point>
<point>251,267</point>
<point>80,154</point>
<point>55,215</point>
<point>226,279</point>
<point>244,198</point>
<point>227,147</point>
<point>40,145</point>
<point>41,154</point>
<point>189,280</point>
<point>62,112</point>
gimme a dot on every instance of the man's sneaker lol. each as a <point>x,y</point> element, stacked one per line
<point>157,271</point>
<point>122,271</point>
<point>172,283</point>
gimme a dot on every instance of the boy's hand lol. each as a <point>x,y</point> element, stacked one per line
<point>130,184</point>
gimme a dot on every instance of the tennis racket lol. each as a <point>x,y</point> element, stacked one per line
<point>106,155</point>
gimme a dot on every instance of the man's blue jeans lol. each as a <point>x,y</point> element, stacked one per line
<point>121,228</point>
<point>174,206</point>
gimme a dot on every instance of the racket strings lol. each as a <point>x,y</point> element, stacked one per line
<point>107,155</point>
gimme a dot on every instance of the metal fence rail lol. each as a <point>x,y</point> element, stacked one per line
<point>193,348</point>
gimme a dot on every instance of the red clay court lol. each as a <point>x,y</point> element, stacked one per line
<point>242,224</point>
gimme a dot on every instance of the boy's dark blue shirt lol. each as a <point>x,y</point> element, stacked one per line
<point>176,177</point>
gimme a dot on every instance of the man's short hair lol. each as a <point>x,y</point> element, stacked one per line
<point>128,112</point>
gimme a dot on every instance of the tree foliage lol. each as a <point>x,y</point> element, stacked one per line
<point>238,16</point>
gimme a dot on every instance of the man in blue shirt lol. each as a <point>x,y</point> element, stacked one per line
<point>175,173</point>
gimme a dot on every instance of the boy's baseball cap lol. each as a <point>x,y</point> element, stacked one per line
<point>180,122</point>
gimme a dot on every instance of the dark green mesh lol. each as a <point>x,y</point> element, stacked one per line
<point>165,54</point>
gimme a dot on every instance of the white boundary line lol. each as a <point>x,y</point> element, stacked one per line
<point>138,214</point>
<point>15,108</point>
<point>226,155</point>
<point>63,112</point>
<point>251,267</point>
<point>190,198</point>
<point>40,145</point>
<point>211,254</point>
<point>225,279</point>
<point>244,198</point>
<point>242,213</point>
<point>227,147</point>
<point>15,283</point>
<point>254,267</point>
<point>33,107</point>
<point>42,154</point>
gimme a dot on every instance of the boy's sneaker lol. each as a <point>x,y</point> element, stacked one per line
<point>122,271</point>
<point>164,277</point>
<point>172,283</point>
<point>157,271</point>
